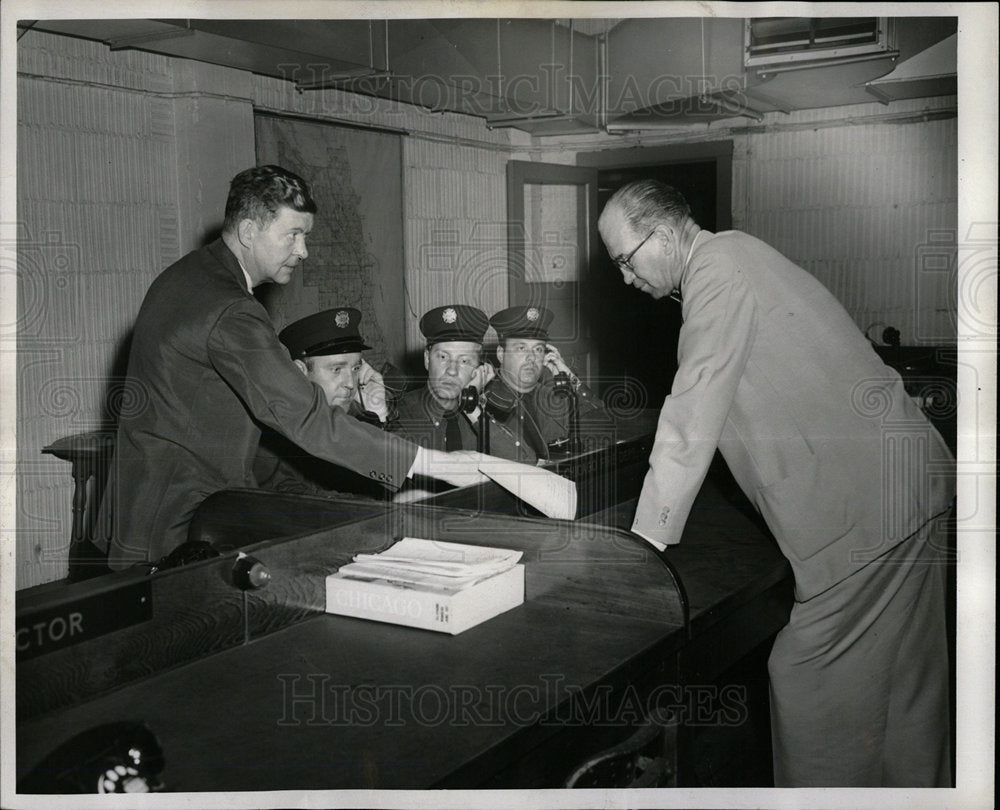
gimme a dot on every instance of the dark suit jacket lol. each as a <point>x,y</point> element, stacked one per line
<point>205,371</point>
<point>283,466</point>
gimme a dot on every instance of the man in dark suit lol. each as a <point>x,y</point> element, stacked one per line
<point>529,404</point>
<point>206,370</point>
<point>326,347</point>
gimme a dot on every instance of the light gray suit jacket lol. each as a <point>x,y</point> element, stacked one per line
<point>816,429</point>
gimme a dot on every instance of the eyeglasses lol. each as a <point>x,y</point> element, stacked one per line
<point>623,262</point>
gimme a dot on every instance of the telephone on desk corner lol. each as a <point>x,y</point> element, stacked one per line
<point>122,757</point>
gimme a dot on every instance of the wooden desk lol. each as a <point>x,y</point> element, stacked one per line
<point>514,702</point>
<point>610,472</point>
<point>609,469</point>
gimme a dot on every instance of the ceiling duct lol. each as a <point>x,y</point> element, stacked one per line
<point>550,77</point>
<point>932,72</point>
<point>698,78</point>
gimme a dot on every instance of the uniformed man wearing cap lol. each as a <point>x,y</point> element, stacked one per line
<point>431,415</point>
<point>326,347</point>
<point>523,401</point>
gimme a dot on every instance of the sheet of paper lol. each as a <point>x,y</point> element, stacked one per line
<point>444,558</point>
<point>551,494</point>
<point>432,563</point>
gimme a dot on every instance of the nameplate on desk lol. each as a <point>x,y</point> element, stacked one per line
<point>53,628</point>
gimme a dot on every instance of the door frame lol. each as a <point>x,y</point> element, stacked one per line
<point>521,173</point>
<point>719,151</point>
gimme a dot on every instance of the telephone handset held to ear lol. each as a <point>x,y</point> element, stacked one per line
<point>472,398</point>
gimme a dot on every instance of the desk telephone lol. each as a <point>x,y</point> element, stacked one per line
<point>122,757</point>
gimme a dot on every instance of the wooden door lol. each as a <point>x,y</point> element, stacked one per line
<point>551,241</point>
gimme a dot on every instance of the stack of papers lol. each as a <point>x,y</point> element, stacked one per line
<point>445,587</point>
<point>432,564</point>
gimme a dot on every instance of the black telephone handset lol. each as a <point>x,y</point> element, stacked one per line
<point>562,383</point>
<point>468,400</point>
<point>122,757</point>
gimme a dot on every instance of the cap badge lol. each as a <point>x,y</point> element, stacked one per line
<point>532,314</point>
<point>342,319</point>
<point>449,315</point>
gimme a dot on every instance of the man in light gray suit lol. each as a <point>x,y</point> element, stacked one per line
<point>852,479</point>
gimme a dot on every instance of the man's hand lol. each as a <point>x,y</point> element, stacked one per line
<point>459,469</point>
<point>482,376</point>
<point>553,359</point>
<point>371,391</point>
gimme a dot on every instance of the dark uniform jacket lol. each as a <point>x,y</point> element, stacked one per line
<point>206,370</point>
<point>527,427</point>
<point>420,418</point>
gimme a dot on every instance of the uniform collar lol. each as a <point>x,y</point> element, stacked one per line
<point>432,407</point>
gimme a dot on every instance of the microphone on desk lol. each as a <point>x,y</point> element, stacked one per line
<point>564,386</point>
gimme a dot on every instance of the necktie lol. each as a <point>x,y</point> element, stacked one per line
<point>452,432</point>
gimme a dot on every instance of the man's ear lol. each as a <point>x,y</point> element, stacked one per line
<point>302,366</point>
<point>427,359</point>
<point>666,237</point>
<point>246,231</point>
<point>500,354</point>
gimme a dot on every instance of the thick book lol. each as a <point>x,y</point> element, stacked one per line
<point>445,587</point>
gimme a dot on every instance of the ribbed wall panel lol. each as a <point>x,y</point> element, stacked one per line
<point>82,60</point>
<point>97,206</point>
<point>853,205</point>
<point>455,209</point>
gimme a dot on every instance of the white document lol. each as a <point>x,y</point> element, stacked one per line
<point>551,494</point>
<point>432,563</point>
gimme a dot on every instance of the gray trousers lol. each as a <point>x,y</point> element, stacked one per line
<point>859,677</point>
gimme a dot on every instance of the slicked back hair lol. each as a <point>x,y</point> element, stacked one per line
<point>646,203</point>
<point>259,193</point>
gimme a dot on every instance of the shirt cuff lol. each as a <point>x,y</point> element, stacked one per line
<point>654,543</point>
